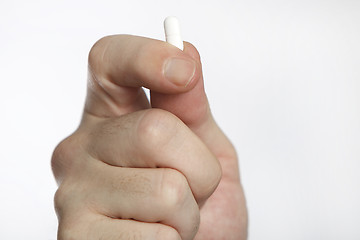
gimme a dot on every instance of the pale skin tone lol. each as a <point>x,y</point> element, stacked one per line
<point>147,171</point>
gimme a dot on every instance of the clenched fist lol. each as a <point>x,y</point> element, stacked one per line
<point>147,171</point>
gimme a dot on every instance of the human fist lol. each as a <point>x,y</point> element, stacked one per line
<point>140,170</point>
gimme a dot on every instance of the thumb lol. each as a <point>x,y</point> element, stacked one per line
<point>193,109</point>
<point>120,65</point>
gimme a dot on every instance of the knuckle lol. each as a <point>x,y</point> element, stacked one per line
<point>210,182</point>
<point>174,189</point>
<point>59,152</point>
<point>63,156</point>
<point>58,200</point>
<point>101,51</point>
<point>156,128</point>
<point>97,50</point>
<point>62,197</point>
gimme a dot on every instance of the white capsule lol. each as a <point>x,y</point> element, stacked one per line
<point>172,32</point>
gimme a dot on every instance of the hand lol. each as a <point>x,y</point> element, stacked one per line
<point>135,170</point>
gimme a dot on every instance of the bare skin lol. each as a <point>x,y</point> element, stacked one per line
<point>147,171</point>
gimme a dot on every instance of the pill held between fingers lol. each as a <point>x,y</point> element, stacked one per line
<point>172,32</point>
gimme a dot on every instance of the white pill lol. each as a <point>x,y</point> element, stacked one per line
<point>172,32</point>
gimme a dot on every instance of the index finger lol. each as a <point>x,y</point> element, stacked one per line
<point>120,65</point>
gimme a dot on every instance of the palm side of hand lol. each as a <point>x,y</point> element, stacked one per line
<point>224,215</point>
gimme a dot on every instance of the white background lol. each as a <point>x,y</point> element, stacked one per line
<point>283,79</point>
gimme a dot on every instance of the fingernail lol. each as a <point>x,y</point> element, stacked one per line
<point>179,71</point>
